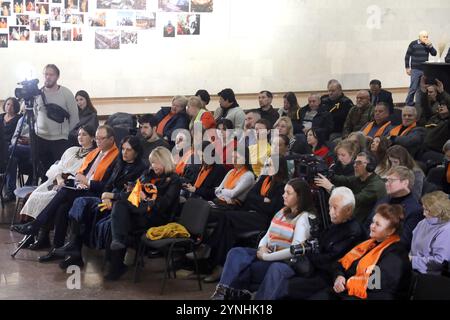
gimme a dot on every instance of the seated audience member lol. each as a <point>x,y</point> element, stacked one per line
<point>399,181</point>
<point>209,176</point>
<point>440,175</point>
<point>204,97</point>
<point>149,138</point>
<point>346,152</point>
<point>284,126</point>
<point>225,142</point>
<point>198,114</point>
<point>378,95</point>
<point>378,148</point>
<point>365,184</point>
<point>431,237</point>
<point>262,202</point>
<point>90,180</point>
<point>9,119</point>
<point>87,115</point>
<point>408,134</point>
<point>430,97</point>
<point>315,139</point>
<point>127,169</point>
<point>246,266</point>
<point>140,210</point>
<point>280,147</point>
<point>185,167</point>
<point>57,175</point>
<point>383,254</point>
<point>360,139</point>
<point>437,133</point>
<point>399,156</point>
<point>172,118</point>
<point>260,151</point>
<point>233,189</point>
<point>230,109</point>
<point>249,127</point>
<point>359,114</point>
<point>265,107</point>
<point>312,271</point>
<point>380,126</point>
<point>291,109</point>
<point>313,116</point>
<point>338,105</point>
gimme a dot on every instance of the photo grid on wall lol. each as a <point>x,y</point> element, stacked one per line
<point>115,23</point>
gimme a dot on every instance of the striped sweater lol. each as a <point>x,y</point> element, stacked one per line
<point>418,53</point>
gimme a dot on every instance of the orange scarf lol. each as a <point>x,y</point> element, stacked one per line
<point>379,132</point>
<point>369,253</point>
<point>135,196</point>
<point>179,169</point>
<point>204,172</point>
<point>234,177</point>
<point>448,172</point>
<point>396,131</point>
<point>163,122</point>
<point>104,163</point>
<point>266,186</point>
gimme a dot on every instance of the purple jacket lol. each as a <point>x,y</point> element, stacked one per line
<point>430,245</point>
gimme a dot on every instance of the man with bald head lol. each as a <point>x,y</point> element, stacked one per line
<point>338,105</point>
<point>313,116</point>
<point>358,115</point>
<point>408,134</point>
<point>417,53</point>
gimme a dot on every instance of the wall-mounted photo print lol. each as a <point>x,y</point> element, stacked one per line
<point>56,33</point>
<point>40,37</point>
<point>71,4</point>
<point>103,4</point>
<point>30,5</point>
<point>125,18</point>
<point>173,5</point>
<point>188,24</point>
<point>5,8</point>
<point>3,23</point>
<point>77,34</point>
<point>3,40</point>
<point>169,30</point>
<point>201,5</point>
<point>22,19</point>
<point>45,24</point>
<point>107,39</point>
<point>55,13</point>
<point>56,1</point>
<point>98,20</point>
<point>146,20</point>
<point>84,5</point>
<point>66,34</point>
<point>128,37</point>
<point>35,24</point>
<point>19,6</point>
<point>42,8</point>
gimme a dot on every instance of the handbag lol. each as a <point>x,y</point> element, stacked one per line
<point>54,111</point>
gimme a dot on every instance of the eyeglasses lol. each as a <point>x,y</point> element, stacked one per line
<point>101,138</point>
<point>360,163</point>
<point>389,180</point>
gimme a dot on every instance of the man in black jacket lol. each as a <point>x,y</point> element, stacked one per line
<point>380,95</point>
<point>312,268</point>
<point>266,110</point>
<point>447,57</point>
<point>313,116</point>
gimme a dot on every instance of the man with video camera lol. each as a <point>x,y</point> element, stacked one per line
<point>52,135</point>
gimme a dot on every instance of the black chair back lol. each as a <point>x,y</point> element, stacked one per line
<point>194,215</point>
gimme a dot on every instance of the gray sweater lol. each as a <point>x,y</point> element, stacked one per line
<point>49,129</point>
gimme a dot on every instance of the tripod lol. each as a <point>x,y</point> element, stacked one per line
<point>321,198</point>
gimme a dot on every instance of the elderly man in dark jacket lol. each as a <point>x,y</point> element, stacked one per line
<point>313,116</point>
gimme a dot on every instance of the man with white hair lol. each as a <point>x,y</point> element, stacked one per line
<point>408,134</point>
<point>417,53</point>
<point>312,268</point>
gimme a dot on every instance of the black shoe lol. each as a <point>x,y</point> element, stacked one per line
<point>117,267</point>
<point>72,261</point>
<point>30,228</point>
<point>28,242</point>
<point>71,248</point>
<point>42,242</point>
<point>51,256</point>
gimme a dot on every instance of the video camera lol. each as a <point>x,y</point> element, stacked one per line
<point>28,91</point>
<point>308,166</point>
<point>311,245</point>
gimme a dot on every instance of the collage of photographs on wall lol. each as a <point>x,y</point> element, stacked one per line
<point>114,22</point>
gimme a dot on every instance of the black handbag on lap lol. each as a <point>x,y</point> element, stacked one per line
<point>54,111</point>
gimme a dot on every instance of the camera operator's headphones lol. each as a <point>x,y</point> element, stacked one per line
<point>371,162</point>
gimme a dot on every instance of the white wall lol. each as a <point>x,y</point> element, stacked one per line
<point>249,45</point>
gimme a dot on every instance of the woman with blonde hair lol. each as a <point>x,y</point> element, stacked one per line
<point>360,139</point>
<point>431,237</point>
<point>346,152</point>
<point>285,127</point>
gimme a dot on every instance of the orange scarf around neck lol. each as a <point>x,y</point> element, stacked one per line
<point>369,253</point>
<point>179,169</point>
<point>266,186</point>
<point>396,131</point>
<point>202,175</point>
<point>234,177</point>
<point>104,163</point>
<point>379,132</point>
<point>448,172</point>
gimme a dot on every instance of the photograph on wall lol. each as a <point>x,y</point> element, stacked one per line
<point>128,37</point>
<point>42,8</point>
<point>146,20</point>
<point>103,4</point>
<point>188,24</point>
<point>22,19</point>
<point>98,20</point>
<point>107,39</point>
<point>19,7</point>
<point>84,5</point>
<point>173,5</point>
<point>30,5</point>
<point>45,24</point>
<point>169,30</point>
<point>71,4</point>
<point>3,22</point>
<point>73,18</point>
<point>77,34</point>
<point>125,18</point>
<point>56,34</point>
<point>56,1</point>
<point>66,34</point>
<point>6,8</point>
<point>41,37</point>
<point>201,5</point>
<point>55,13</point>
<point>3,40</point>
<point>35,24</point>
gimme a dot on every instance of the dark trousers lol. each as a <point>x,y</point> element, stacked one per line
<point>304,288</point>
<point>125,217</point>
<point>21,156</point>
<point>58,210</point>
<point>48,151</point>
